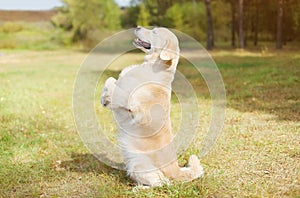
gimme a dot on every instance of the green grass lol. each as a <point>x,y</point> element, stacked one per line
<point>257,154</point>
<point>33,36</point>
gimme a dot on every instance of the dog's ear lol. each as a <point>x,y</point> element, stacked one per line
<point>169,51</point>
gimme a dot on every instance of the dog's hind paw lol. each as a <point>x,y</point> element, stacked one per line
<point>195,166</point>
<point>139,187</point>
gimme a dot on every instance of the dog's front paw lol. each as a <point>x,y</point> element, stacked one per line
<point>106,96</point>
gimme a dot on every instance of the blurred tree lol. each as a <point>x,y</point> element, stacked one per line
<point>233,21</point>
<point>237,21</point>
<point>241,26</point>
<point>111,15</point>
<point>144,16</point>
<point>175,16</point>
<point>187,17</point>
<point>221,25</point>
<point>85,17</point>
<point>62,19</point>
<point>157,10</point>
<point>255,23</point>
<point>130,16</point>
<point>294,11</point>
<point>210,32</point>
<point>279,25</point>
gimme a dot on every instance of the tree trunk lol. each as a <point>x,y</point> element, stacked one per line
<point>241,30</point>
<point>256,24</point>
<point>210,33</point>
<point>279,25</point>
<point>233,23</point>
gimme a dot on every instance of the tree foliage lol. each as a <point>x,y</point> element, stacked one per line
<point>85,17</point>
<point>90,18</point>
<point>144,16</point>
<point>187,17</point>
<point>175,15</point>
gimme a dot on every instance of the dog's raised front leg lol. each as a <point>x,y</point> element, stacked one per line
<point>107,92</point>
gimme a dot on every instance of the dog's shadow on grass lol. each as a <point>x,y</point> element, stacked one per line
<point>89,163</point>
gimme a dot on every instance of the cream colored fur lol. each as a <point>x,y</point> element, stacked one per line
<point>140,102</point>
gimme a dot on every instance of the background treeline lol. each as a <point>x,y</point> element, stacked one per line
<point>259,19</point>
<point>220,23</point>
<point>225,21</point>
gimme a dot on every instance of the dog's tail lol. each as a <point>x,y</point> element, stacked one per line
<point>193,170</point>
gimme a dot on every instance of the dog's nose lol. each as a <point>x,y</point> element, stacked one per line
<point>138,28</point>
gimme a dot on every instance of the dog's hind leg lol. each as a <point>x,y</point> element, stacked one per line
<point>144,172</point>
<point>152,179</point>
<point>192,171</point>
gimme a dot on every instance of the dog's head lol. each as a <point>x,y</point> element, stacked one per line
<point>159,42</point>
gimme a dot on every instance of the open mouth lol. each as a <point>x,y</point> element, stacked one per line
<point>141,43</point>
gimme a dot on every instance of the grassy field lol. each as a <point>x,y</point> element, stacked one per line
<point>38,35</point>
<point>257,155</point>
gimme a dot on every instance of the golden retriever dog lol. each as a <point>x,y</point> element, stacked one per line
<point>140,103</point>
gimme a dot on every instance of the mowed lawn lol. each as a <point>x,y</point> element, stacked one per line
<point>257,155</point>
